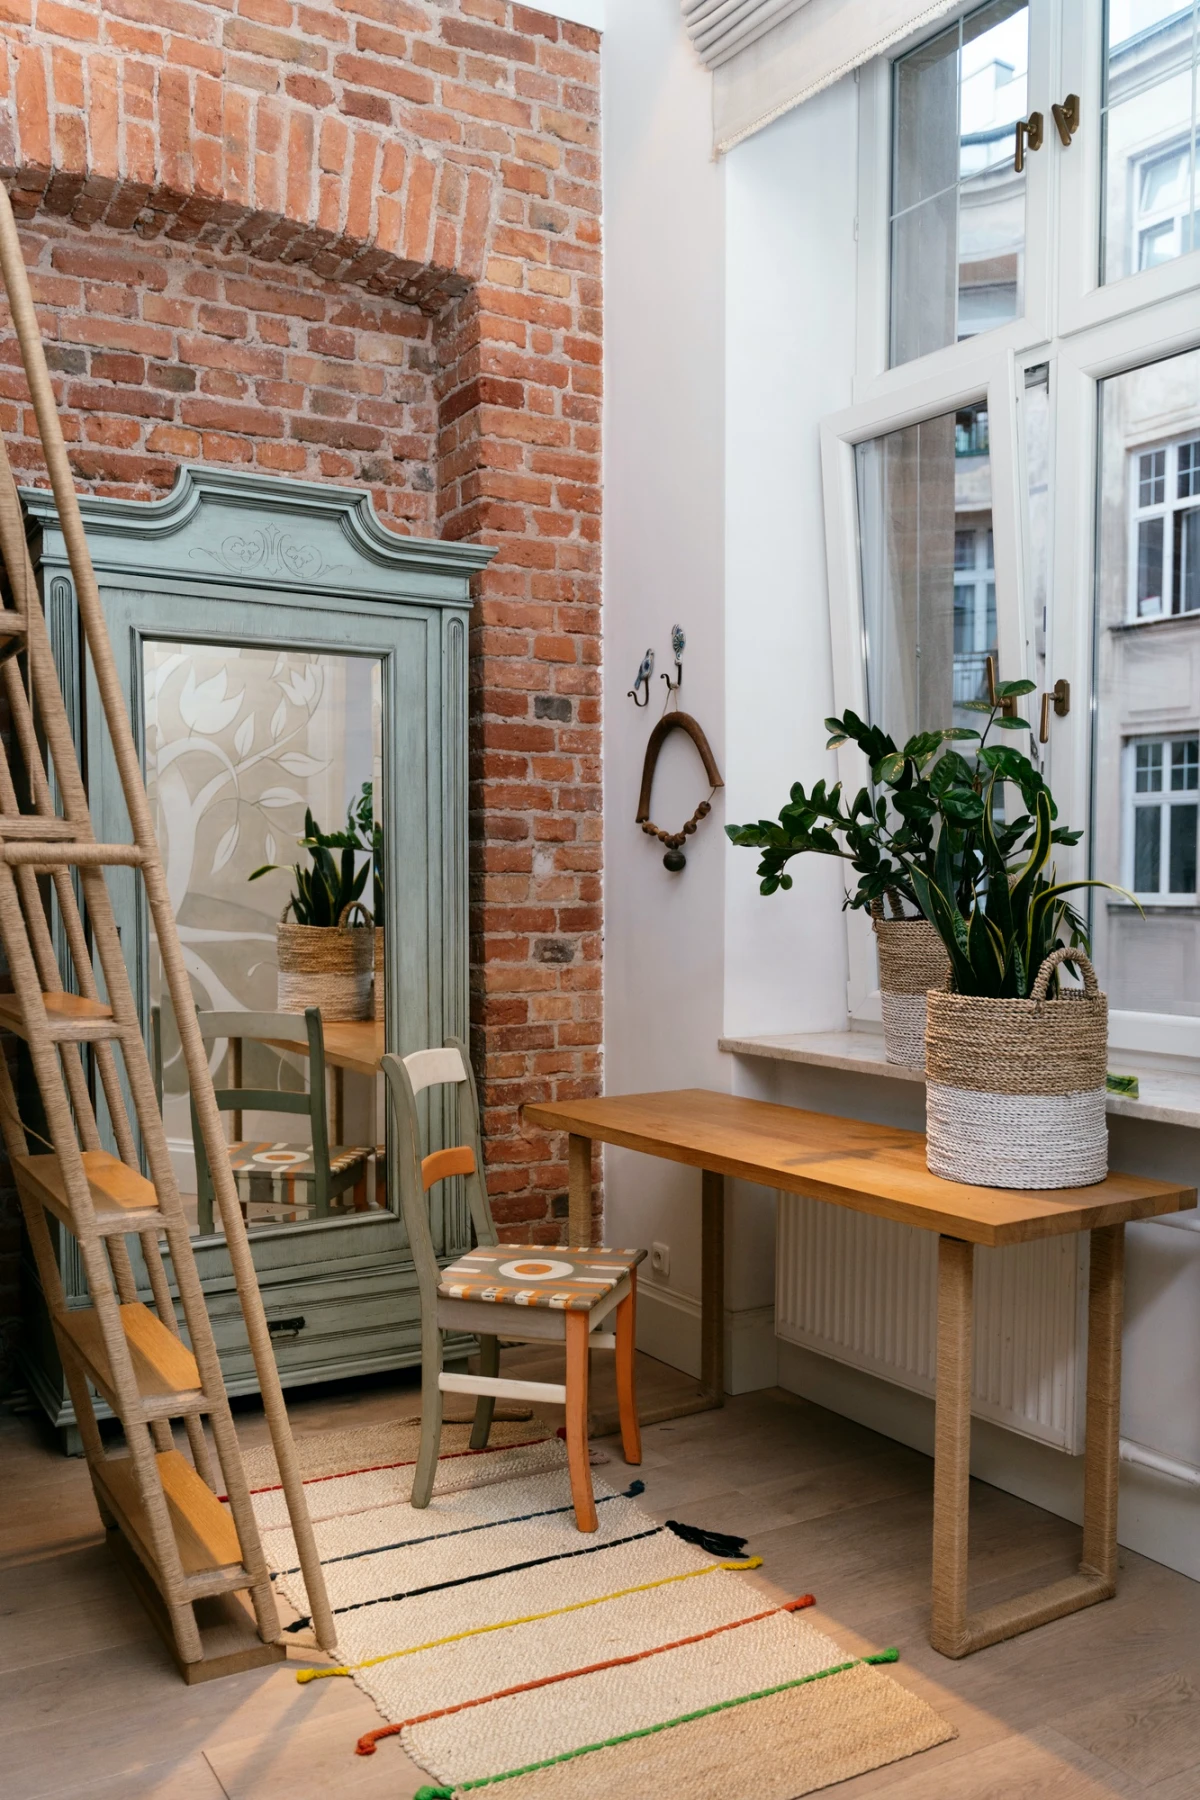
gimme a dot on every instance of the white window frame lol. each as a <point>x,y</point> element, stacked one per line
<point>1083,300</point>
<point>1164,798</point>
<point>873,378</point>
<point>1094,332</point>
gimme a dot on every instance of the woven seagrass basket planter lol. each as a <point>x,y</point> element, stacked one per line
<point>1015,1089</point>
<point>380,986</point>
<point>912,959</point>
<point>325,965</point>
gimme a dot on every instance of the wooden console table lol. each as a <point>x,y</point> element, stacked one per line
<point>879,1169</point>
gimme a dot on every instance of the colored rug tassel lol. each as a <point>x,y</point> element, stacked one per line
<point>716,1543</point>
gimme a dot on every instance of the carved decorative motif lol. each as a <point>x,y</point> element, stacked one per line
<point>271,551</point>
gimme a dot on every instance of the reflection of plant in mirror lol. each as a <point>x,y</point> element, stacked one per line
<point>935,833</point>
<point>323,892</point>
<point>363,832</point>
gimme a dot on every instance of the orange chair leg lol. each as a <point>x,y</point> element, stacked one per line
<point>360,1191</point>
<point>631,1432</point>
<point>577,1421</point>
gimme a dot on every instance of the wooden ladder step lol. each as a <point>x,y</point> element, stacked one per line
<point>123,1200</point>
<point>71,1017</point>
<point>84,854</point>
<point>165,1369</point>
<point>204,1529</point>
<point>37,827</point>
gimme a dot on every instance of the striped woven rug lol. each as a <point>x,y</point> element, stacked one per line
<point>504,1647</point>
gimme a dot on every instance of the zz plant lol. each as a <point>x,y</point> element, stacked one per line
<point>933,828</point>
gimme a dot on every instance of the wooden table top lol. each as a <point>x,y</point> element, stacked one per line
<point>354,1044</point>
<point>870,1168</point>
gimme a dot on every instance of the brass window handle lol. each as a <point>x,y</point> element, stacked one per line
<point>1058,697</point>
<point>1066,117</point>
<point>1030,133</point>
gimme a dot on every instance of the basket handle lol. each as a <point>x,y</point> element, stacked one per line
<point>354,906</point>
<point>1064,953</point>
<point>283,915</point>
<point>897,905</point>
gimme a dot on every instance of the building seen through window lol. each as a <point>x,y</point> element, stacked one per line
<point>1146,771</point>
<point>1150,135</point>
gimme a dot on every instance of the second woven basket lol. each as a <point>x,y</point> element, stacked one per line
<point>912,959</point>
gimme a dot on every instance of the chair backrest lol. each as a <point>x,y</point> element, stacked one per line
<point>407,1077</point>
<point>306,1032</point>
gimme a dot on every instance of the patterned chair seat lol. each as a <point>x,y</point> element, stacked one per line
<point>532,1275</point>
<point>282,1176</point>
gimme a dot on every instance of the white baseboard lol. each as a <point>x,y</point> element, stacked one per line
<point>1158,1517</point>
<point>669,1330</point>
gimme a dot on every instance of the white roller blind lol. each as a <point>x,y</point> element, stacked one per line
<point>720,28</point>
<point>770,55</point>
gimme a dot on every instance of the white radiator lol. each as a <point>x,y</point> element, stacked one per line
<point>864,1291</point>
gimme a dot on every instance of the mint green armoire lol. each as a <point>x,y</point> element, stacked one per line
<point>279,650</point>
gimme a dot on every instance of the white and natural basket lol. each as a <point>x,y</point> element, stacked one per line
<point>912,959</point>
<point>325,965</point>
<point>380,988</point>
<point>1015,1090</point>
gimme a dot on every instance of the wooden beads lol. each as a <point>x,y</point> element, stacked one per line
<point>674,839</point>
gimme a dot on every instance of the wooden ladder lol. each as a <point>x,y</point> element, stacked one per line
<point>190,1557</point>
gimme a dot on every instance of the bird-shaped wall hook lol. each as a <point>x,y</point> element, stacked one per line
<point>678,645</point>
<point>643,680</point>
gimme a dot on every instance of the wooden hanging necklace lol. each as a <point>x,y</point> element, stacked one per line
<point>675,860</point>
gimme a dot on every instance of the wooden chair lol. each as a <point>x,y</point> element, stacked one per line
<point>524,1292</point>
<point>286,1178</point>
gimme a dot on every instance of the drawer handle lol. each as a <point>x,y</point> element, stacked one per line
<point>286,1327</point>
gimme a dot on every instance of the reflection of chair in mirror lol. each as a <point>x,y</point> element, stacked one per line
<point>282,1182</point>
<point>520,1292</point>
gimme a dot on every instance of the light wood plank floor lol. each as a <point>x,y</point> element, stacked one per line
<point>1103,1704</point>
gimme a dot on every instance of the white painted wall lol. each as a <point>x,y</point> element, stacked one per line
<point>730,297</point>
<point>663,557</point>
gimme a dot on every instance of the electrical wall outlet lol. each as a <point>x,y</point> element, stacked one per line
<point>660,1259</point>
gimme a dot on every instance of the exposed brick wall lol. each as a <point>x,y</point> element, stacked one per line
<point>359,241</point>
<point>165,352</point>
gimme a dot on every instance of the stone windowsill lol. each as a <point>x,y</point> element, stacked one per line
<point>1169,1090</point>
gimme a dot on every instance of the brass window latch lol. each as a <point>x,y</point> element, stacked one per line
<point>1058,697</point>
<point>1030,133</point>
<point>1066,117</point>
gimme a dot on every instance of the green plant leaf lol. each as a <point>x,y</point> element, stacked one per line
<point>1013,690</point>
<point>890,768</point>
<point>1017,724</point>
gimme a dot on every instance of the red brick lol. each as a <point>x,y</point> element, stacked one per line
<point>276,46</point>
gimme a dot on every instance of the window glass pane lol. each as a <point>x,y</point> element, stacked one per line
<point>1146,754</point>
<point>1147,827</point>
<point>958,206</point>
<point>1183,850</point>
<point>925,511</point>
<point>1185,754</point>
<point>1150,123</point>
<point>1187,560</point>
<point>1149,768</point>
<point>1152,474</point>
<point>1149,567</point>
<point>1189,470</point>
